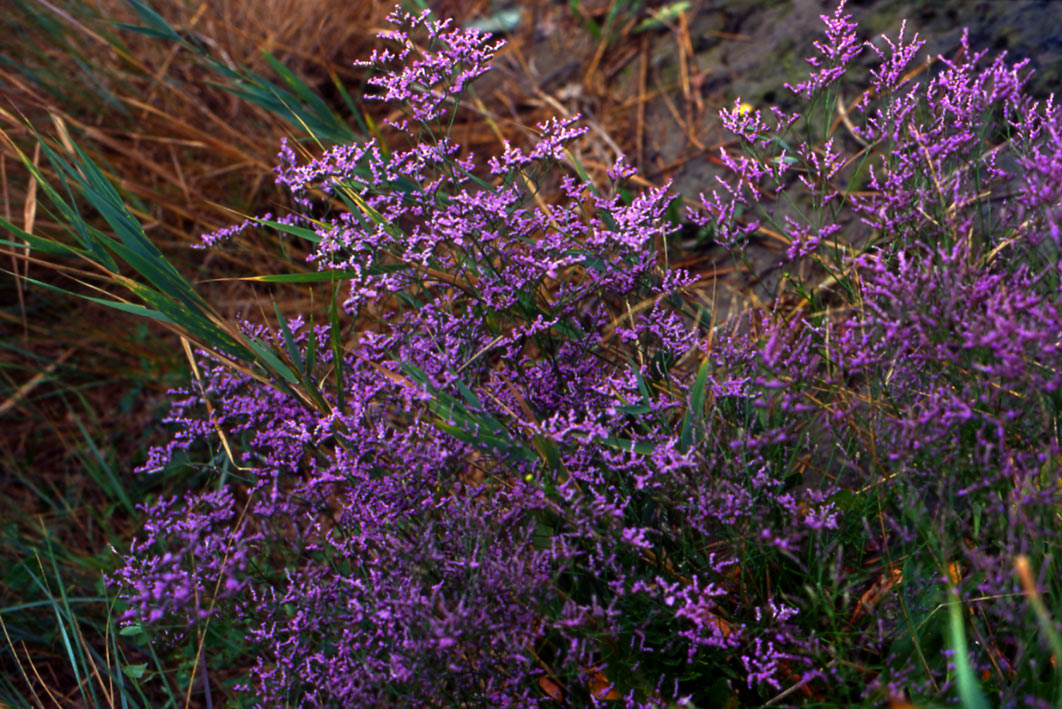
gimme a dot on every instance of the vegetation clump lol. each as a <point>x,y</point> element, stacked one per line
<point>529,470</point>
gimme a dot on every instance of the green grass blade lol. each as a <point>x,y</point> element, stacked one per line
<point>311,347</point>
<point>335,335</point>
<point>38,243</point>
<point>628,445</point>
<point>156,25</point>
<point>289,341</point>
<point>109,480</point>
<point>82,232</point>
<point>970,693</point>
<point>300,106</point>
<point>697,395</point>
<point>301,232</point>
<point>308,277</point>
<point>336,130</point>
<point>269,357</point>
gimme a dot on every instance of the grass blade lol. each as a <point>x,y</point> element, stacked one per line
<point>970,693</point>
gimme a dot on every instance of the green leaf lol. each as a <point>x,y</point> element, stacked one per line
<point>301,232</point>
<point>82,232</point>
<point>696,408</point>
<point>116,304</point>
<point>284,104</point>
<point>634,409</point>
<point>311,348</point>
<point>501,22</point>
<point>970,693</point>
<point>643,388</point>
<point>135,671</point>
<point>468,395</point>
<point>308,277</point>
<point>289,341</point>
<point>38,243</point>
<point>134,246</point>
<point>156,25</point>
<point>486,443</point>
<point>338,130</point>
<point>549,452</point>
<point>628,445</point>
<point>268,357</point>
<point>335,334</point>
<point>355,111</point>
<point>316,276</point>
<point>317,119</point>
<point>149,31</point>
<point>662,16</point>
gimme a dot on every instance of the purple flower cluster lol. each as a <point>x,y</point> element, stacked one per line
<point>841,47</point>
<point>429,80</point>
<point>537,476</point>
<point>937,381</point>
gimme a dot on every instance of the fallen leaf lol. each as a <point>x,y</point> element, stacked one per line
<point>551,688</point>
<point>601,688</point>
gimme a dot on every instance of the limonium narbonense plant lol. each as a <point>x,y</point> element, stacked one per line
<point>534,476</point>
<point>936,244</point>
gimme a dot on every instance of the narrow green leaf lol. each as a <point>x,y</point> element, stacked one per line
<point>324,115</point>
<point>18,608</point>
<point>148,31</point>
<point>110,481</point>
<point>353,107</point>
<point>82,232</point>
<point>634,409</point>
<point>131,308</point>
<point>289,341</point>
<point>643,388</point>
<point>547,448</point>
<point>39,243</point>
<point>316,276</point>
<point>156,24</point>
<point>164,280</point>
<point>301,232</point>
<point>311,347</point>
<point>502,21</point>
<point>103,195</point>
<point>628,445</point>
<point>356,202</point>
<point>194,320</point>
<point>486,443</point>
<point>468,395</point>
<point>117,305</point>
<point>969,690</point>
<point>662,16</point>
<point>335,334</point>
<point>414,372</point>
<point>696,408</point>
<point>74,649</point>
<point>268,357</point>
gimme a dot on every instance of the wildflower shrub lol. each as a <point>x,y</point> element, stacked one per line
<point>535,473</point>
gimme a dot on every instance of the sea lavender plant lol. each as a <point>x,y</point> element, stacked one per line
<point>940,372</point>
<point>515,489</point>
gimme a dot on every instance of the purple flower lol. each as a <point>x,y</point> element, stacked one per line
<point>532,460</point>
<point>840,48</point>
